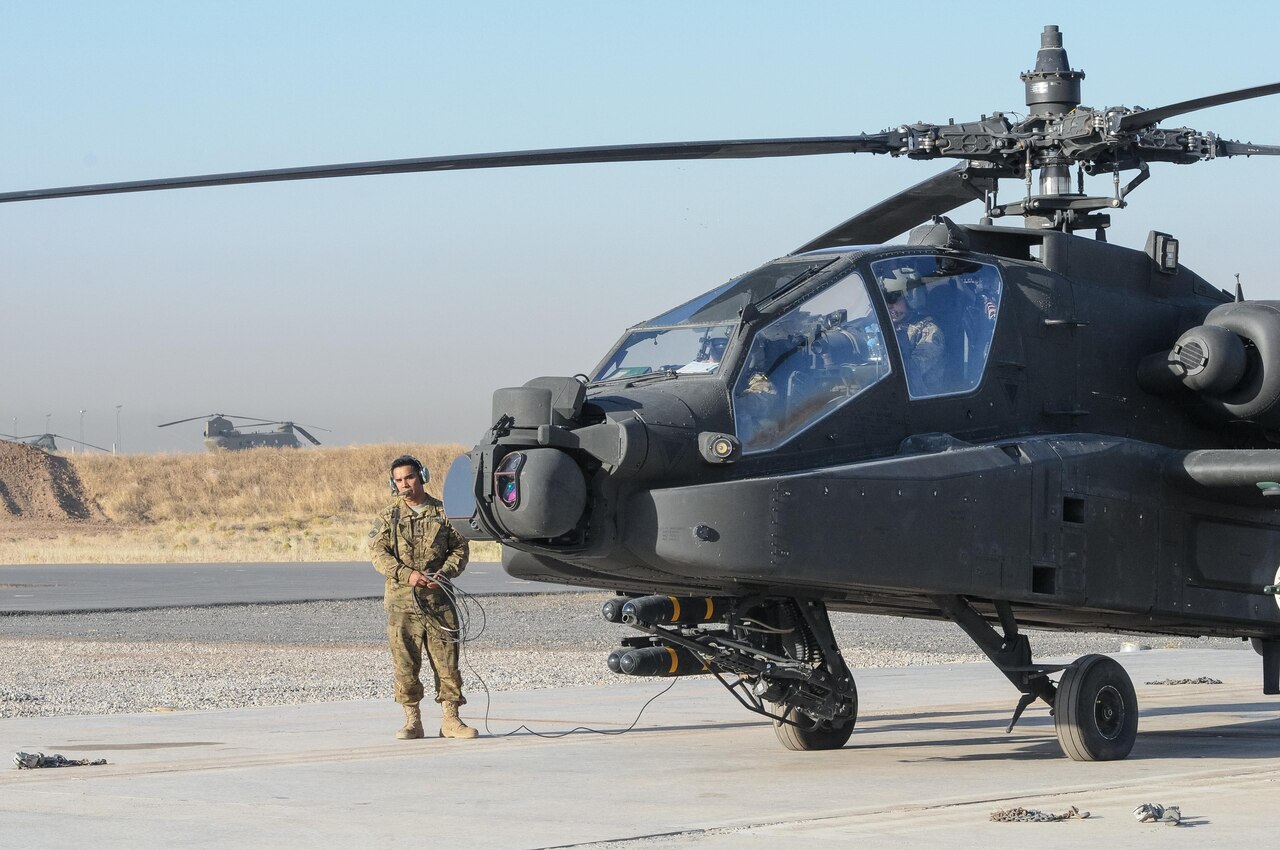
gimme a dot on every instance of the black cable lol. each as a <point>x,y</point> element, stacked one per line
<point>525,727</point>
<point>467,606</point>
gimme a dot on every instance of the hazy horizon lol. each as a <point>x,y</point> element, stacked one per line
<point>389,308</point>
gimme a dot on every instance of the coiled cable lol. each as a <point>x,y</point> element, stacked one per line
<point>470,610</point>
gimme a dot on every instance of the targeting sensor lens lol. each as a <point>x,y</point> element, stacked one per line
<point>506,480</point>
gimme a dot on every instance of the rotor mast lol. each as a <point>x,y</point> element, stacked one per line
<point>1053,90</point>
<point>1052,95</point>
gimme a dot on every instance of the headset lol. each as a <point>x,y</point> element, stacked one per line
<point>424,474</point>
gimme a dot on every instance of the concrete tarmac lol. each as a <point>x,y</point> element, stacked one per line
<point>49,588</point>
<point>927,765</point>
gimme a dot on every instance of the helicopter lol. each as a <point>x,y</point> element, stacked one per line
<point>222,434</point>
<point>49,442</point>
<point>1004,427</point>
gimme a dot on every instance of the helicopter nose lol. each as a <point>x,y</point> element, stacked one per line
<point>528,481</point>
<point>538,494</point>
<point>541,493</point>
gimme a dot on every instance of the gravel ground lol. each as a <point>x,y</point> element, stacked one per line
<point>237,656</point>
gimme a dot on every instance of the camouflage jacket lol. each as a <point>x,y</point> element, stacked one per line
<point>426,543</point>
<point>922,342</point>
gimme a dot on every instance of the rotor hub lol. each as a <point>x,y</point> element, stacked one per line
<point>1052,88</point>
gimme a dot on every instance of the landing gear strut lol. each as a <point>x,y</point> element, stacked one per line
<point>1095,709</point>
<point>777,656</point>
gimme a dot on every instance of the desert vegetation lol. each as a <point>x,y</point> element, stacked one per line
<point>264,504</point>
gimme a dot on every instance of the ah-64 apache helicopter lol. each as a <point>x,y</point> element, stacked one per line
<point>997,426</point>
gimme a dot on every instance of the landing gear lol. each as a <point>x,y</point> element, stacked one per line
<point>798,731</point>
<point>777,656</point>
<point>1096,710</point>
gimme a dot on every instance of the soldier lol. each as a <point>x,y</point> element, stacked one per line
<point>921,342</point>
<point>417,550</point>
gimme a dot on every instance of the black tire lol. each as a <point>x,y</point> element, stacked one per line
<point>815,734</point>
<point>1096,710</point>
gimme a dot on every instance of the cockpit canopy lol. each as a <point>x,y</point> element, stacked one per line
<point>827,348</point>
<point>691,339</point>
<point>830,348</point>
<point>809,361</point>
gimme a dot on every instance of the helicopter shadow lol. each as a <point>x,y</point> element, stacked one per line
<point>1248,740</point>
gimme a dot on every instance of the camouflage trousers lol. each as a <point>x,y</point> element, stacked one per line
<point>409,633</point>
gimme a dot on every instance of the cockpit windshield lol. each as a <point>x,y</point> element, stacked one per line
<point>808,363</point>
<point>691,339</point>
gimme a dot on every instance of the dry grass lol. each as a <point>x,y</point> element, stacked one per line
<point>250,486</point>
<point>257,505</point>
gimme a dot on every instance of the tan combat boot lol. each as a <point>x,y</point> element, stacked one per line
<point>452,726</point>
<point>412,723</point>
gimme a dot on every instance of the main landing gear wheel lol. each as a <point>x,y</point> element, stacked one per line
<point>1096,710</point>
<point>814,734</point>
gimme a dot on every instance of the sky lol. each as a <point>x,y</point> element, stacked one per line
<point>388,308</point>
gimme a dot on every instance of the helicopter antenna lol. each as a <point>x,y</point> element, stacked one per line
<point>1239,289</point>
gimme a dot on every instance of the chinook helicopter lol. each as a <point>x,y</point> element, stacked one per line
<point>999,426</point>
<point>49,442</point>
<point>221,433</point>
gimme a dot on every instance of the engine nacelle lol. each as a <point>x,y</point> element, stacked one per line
<point>1232,362</point>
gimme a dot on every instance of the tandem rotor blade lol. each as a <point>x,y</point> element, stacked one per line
<point>729,149</point>
<point>939,194</point>
<point>1147,117</point>
<point>80,443</point>
<point>188,419</point>
<point>305,433</point>
<point>252,419</point>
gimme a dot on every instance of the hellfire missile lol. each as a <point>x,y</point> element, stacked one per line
<point>672,609</point>
<point>659,661</point>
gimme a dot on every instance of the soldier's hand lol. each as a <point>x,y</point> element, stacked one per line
<point>417,579</point>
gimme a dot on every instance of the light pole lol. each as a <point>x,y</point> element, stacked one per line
<point>81,430</point>
<point>117,442</point>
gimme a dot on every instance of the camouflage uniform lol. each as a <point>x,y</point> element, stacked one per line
<point>922,348</point>
<point>428,544</point>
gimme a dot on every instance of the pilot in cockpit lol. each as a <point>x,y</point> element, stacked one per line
<point>921,342</point>
<point>710,353</point>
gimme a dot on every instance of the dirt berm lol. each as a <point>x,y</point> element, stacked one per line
<point>41,487</point>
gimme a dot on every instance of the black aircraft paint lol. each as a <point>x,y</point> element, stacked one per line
<point>998,426</point>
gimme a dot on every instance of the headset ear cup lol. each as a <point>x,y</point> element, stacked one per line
<point>424,474</point>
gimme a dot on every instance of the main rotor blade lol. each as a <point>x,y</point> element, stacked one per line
<point>730,149</point>
<point>255,420</point>
<point>939,194</point>
<point>1229,148</point>
<point>303,432</point>
<point>1147,117</point>
<point>189,419</point>
<point>79,442</point>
